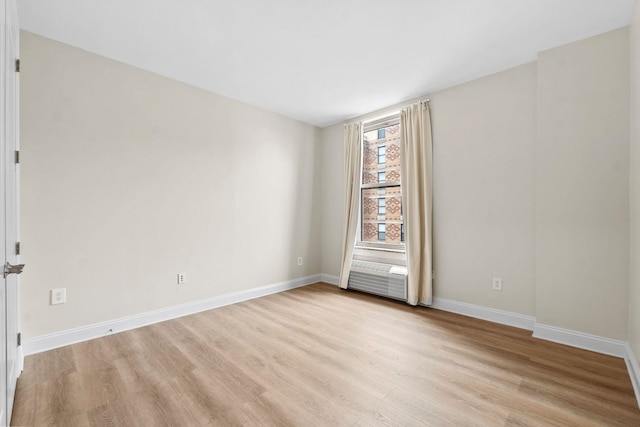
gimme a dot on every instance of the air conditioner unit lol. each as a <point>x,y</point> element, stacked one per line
<point>380,279</point>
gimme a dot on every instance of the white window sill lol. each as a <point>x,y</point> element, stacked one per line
<point>393,249</point>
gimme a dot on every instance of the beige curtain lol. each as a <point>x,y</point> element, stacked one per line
<point>352,163</point>
<point>417,200</point>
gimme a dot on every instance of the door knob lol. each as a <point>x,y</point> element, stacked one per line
<point>12,269</point>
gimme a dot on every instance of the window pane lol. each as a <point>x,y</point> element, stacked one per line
<point>382,154</point>
<point>369,214</point>
<point>389,206</point>
<point>382,206</point>
<point>381,166</point>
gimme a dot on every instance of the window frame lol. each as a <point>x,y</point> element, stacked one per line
<point>384,122</point>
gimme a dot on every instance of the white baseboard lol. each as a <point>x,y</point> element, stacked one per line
<point>485,313</point>
<point>330,279</point>
<point>97,330</point>
<point>580,340</point>
<point>634,371</point>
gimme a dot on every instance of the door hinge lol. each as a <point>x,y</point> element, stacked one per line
<point>17,248</point>
<point>19,339</point>
<point>17,157</point>
<point>17,65</point>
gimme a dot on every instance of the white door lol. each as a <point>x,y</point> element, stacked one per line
<point>3,297</point>
<point>11,203</point>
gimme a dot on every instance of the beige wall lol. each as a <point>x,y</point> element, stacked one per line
<point>483,136</point>
<point>634,291</point>
<point>332,194</point>
<point>582,186</point>
<point>129,178</point>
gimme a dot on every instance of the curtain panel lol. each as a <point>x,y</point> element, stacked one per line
<point>352,165</point>
<point>417,198</point>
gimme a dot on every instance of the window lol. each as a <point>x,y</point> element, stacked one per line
<point>381,221</point>
<point>382,206</point>
<point>382,154</point>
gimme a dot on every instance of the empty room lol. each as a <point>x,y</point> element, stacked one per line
<point>320,213</point>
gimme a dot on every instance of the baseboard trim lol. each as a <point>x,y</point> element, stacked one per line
<point>97,330</point>
<point>634,371</point>
<point>580,340</point>
<point>330,279</point>
<point>491,314</point>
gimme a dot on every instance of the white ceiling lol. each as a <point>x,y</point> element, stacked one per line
<point>322,61</point>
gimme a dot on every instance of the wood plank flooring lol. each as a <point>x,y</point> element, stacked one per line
<point>322,356</point>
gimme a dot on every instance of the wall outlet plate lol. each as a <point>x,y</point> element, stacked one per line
<point>58,296</point>
<point>497,283</point>
<point>299,260</point>
<point>182,278</point>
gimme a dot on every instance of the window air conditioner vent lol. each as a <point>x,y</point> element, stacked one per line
<point>380,279</point>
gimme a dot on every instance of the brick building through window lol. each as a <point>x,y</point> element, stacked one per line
<point>381,215</point>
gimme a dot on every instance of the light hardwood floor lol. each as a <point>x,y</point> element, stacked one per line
<point>322,356</point>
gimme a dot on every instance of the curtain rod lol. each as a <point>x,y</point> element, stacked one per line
<point>381,118</point>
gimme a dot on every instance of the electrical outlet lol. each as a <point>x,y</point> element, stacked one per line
<point>497,283</point>
<point>182,279</point>
<point>299,260</point>
<point>58,296</point>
